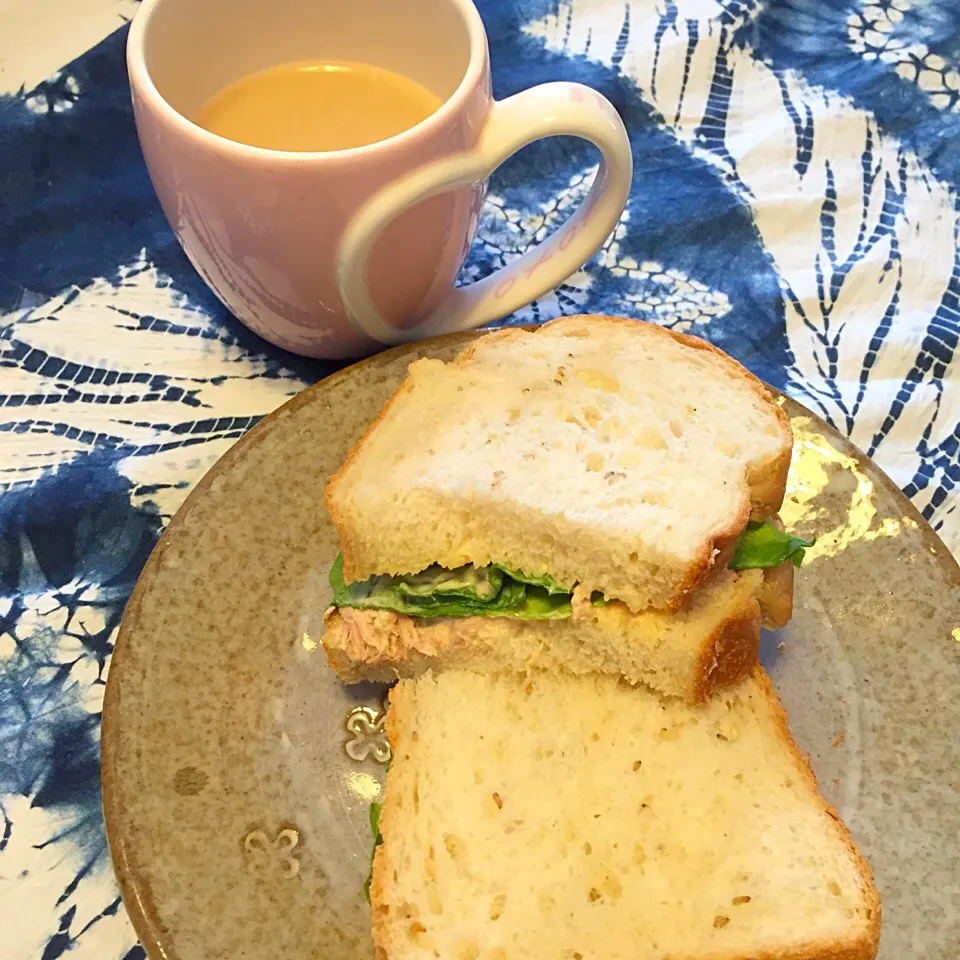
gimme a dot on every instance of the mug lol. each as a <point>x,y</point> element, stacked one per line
<point>332,254</point>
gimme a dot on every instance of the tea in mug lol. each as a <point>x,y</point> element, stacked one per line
<point>308,106</point>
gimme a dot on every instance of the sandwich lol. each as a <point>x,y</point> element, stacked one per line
<point>597,496</point>
<point>565,543</point>
<point>550,816</point>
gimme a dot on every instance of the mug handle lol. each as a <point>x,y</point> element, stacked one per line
<point>549,110</point>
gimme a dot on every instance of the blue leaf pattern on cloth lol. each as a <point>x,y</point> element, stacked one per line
<point>794,202</point>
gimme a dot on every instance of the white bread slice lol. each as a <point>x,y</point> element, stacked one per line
<point>582,819</point>
<point>606,452</point>
<point>711,642</point>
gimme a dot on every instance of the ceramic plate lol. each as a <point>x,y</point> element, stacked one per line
<point>238,771</point>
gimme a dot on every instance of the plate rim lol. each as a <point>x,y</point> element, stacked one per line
<point>136,896</point>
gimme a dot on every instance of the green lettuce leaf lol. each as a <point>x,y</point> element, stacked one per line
<point>474,584</point>
<point>462,593</point>
<point>465,592</point>
<point>499,591</point>
<point>375,809</point>
<point>546,581</point>
<point>763,545</point>
<point>539,604</point>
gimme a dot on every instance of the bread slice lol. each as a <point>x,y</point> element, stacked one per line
<point>712,642</point>
<point>606,452</point>
<point>582,819</point>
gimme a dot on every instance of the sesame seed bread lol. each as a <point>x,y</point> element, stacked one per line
<point>608,453</point>
<point>579,818</point>
<point>711,642</point>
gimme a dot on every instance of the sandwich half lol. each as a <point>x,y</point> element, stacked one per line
<point>579,818</point>
<point>709,643</point>
<point>596,496</point>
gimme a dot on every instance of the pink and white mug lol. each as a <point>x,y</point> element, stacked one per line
<point>330,254</point>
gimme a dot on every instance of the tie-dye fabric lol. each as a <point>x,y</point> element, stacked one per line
<point>794,202</point>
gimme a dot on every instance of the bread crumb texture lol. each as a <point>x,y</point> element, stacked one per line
<point>644,449</point>
<point>586,819</point>
<point>712,641</point>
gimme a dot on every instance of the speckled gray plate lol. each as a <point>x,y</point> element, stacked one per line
<point>237,771</point>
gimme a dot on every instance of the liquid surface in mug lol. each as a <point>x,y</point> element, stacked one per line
<point>311,106</point>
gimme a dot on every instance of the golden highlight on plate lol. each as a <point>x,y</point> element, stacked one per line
<point>564,543</point>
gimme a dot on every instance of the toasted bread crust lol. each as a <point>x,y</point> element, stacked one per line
<point>766,482</point>
<point>729,655</point>
<point>733,652</point>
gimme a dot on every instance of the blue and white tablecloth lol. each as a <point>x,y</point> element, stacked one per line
<point>794,202</point>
